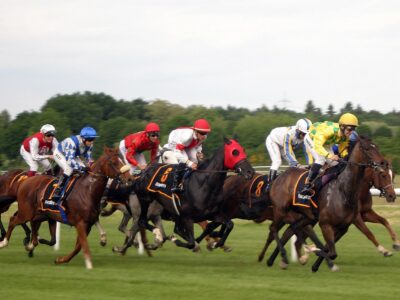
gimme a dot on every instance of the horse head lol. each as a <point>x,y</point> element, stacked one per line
<point>110,165</point>
<point>382,174</point>
<point>235,158</point>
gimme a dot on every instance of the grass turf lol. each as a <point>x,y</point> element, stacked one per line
<point>176,273</point>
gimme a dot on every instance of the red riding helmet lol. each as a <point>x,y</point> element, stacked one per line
<point>152,127</point>
<point>201,125</point>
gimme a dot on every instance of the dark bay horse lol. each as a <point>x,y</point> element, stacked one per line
<point>202,195</point>
<point>82,204</point>
<point>338,201</point>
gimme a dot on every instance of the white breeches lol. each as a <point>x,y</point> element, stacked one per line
<point>59,158</point>
<point>172,157</point>
<point>140,158</point>
<point>274,152</point>
<point>318,159</point>
<point>33,164</point>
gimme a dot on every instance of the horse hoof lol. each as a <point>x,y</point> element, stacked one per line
<point>30,254</point>
<point>196,248</point>
<point>59,261</point>
<point>25,241</point>
<point>303,259</point>
<point>227,249</point>
<point>335,268</point>
<point>118,250</point>
<point>387,254</point>
<point>283,265</point>
<point>103,243</point>
<point>211,246</point>
<point>269,263</point>
<point>396,247</point>
<point>29,247</point>
<point>4,243</point>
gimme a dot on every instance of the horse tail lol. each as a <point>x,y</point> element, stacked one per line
<point>6,201</point>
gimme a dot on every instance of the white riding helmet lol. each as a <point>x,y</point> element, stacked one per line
<point>303,125</point>
<point>48,128</point>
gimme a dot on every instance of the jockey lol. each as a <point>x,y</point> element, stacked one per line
<point>36,149</point>
<point>133,145</point>
<point>282,141</point>
<point>185,147</point>
<point>326,134</point>
<point>69,152</point>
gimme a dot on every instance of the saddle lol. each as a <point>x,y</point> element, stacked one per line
<point>162,180</point>
<point>49,202</point>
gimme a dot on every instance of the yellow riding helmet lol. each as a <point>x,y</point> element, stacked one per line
<point>348,119</point>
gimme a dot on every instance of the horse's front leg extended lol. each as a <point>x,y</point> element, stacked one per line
<point>52,229</point>
<point>103,234</point>
<point>228,228</point>
<point>187,232</point>
<point>274,227</point>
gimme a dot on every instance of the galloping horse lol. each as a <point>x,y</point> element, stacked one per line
<point>82,204</point>
<point>338,201</point>
<point>9,183</point>
<point>202,195</point>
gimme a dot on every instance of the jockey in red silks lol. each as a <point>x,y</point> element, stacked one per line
<point>133,145</point>
<point>185,147</point>
<point>38,148</point>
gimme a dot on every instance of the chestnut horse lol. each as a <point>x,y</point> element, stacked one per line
<point>82,204</point>
<point>338,201</point>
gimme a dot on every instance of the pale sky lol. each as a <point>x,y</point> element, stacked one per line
<point>208,52</point>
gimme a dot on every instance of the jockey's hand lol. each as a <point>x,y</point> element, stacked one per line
<point>200,155</point>
<point>142,167</point>
<point>193,166</point>
<point>334,157</point>
<point>300,166</point>
<point>85,169</point>
<point>51,157</point>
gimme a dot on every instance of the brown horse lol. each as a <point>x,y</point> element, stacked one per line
<point>9,183</point>
<point>82,204</point>
<point>338,201</point>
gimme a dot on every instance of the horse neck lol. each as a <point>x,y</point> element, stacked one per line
<point>352,179</point>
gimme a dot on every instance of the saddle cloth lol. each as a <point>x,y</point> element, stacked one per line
<point>301,200</point>
<point>162,181</point>
<point>51,203</point>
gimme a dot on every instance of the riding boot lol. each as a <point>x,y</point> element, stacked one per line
<point>314,171</point>
<point>178,175</point>
<point>59,191</point>
<point>272,174</point>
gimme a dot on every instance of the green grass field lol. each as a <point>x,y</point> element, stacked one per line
<point>176,273</point>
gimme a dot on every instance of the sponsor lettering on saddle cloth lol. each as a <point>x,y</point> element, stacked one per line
<point>49,202</point>
<point>302,200</point>
<point>162,182</point>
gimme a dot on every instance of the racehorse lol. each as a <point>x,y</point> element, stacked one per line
<point>9,183</point>
<point>82,204</point>
<point>338,200</point>
<point>202,195</point>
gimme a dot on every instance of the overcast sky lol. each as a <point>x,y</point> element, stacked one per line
<point>209,52</point>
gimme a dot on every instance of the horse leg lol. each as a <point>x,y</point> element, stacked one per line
<point>159,233</point>
<point>16,219</point>
<point>373,217</point>
<point>109,212</point>
<point>209,228</point>
<point>82,231</point>
<point>34,240</point>
<point>359,223</point>
<point>228,228</point>
<point>274,227</point>
<point>103,234</point>
<point>52,229</point>
<point>27,231</point>
<point>2,230</point>
<point>268,242</point>
<point>186,231</point>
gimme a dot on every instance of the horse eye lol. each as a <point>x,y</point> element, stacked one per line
<point>235,152</point>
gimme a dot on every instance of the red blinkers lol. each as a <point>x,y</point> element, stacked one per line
<point>233,153</point>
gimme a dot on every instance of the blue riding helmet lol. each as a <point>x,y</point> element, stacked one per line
<point>88,133</point>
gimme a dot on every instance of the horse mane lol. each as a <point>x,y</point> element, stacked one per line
<point>206,162</point>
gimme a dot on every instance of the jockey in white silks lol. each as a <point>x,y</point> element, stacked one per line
<point>69,152</point>
<point>39,148</point>
<point>282,141</point>
<point>185,147</point>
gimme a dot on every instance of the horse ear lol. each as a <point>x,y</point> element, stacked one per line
<point>235,137</point>
<point>226,140</point>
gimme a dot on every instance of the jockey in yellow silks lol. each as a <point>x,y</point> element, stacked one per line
<point>326,134</point>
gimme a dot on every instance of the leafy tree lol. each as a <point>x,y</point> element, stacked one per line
<point>383,131</point>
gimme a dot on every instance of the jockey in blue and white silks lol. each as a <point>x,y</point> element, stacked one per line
<point>70,151</point>
<point>282,141</point>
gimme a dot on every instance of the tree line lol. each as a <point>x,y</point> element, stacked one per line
<point>114,119</point>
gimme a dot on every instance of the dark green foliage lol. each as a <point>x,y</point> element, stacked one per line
<point>114,119</point>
